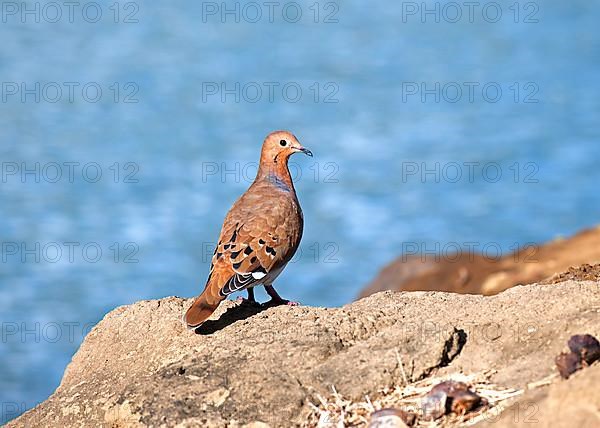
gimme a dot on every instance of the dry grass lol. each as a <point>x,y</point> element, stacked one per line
<point>338,412</point>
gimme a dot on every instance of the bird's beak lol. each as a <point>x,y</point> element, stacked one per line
<point>304,150</point>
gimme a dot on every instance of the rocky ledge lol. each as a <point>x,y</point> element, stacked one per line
<point>266,368</point>
<point>472,273</point>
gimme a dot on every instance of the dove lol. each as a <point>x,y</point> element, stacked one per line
<point>260,233</point>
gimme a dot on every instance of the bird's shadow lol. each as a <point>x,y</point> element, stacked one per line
<point>230,316</point>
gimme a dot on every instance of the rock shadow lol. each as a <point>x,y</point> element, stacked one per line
<point>229,317</point>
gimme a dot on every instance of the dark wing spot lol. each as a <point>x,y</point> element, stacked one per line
<point>261,242</point>
<point>234,236</point>
<point>236,265</point>
<point>253,260</point>
<point>219,255</point>
<point>235,254</point>
<point>271,251</point>
<point>226,247</point>
<point>248,250</point>
<point>260,269</point>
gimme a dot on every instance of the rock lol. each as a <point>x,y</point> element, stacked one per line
<point>584,272</point>
<point>465,401</point>
<point>563,404</point>
<point>585,350</point>
<point>568,363</point>
<point>449,396</point>
<point>256,368</point>
<point>586,347</point>
<point>391,418</point>
<point>470,273</point>
<point>435,404</point>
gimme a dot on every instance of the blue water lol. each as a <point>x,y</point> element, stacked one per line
<point>358,112</point>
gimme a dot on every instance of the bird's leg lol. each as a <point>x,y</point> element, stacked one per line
<point>251,295</point>
<point>250,300</point>
<point>276,299</point>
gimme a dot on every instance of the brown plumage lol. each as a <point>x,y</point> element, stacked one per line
<point>260,234</point>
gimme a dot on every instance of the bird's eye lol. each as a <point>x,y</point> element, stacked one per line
<point>283,143</point>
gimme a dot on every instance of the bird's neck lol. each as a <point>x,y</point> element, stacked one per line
<point>276,171</point>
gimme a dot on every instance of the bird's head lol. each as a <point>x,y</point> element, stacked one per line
<point>279,146</point>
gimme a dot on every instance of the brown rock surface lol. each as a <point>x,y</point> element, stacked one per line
<point>584,272</point>
<point>476,274</point>
<point>140,367</point>
<point>564,404</point>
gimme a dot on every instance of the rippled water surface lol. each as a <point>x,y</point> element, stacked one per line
<point>390,167</point>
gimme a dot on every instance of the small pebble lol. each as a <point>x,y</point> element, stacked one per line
<point>434,404</point>
<point>585,350</point>
<point>568,363</point>
<point>465,401</point>
<point>450,396</point>
<point>391,418</point>
<point>586,346</point>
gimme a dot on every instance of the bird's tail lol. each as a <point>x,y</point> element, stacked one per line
<point>199,312</point>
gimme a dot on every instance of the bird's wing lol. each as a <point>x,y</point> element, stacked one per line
<point>252,243</point>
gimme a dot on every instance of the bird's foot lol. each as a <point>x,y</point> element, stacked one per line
<point>279,302</point>
<point>250,302</point>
